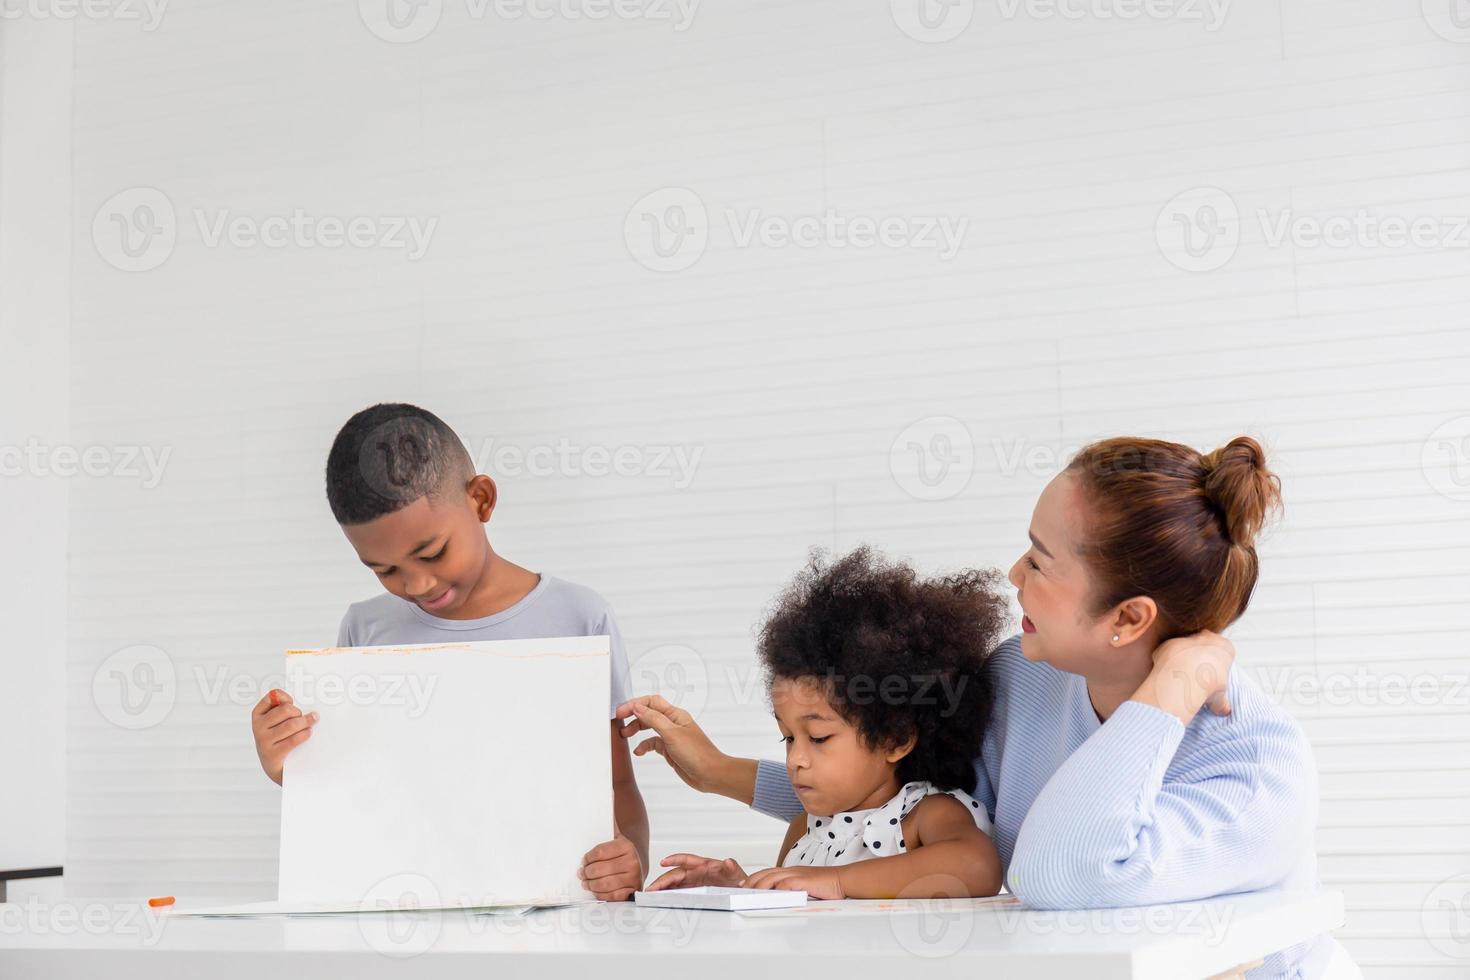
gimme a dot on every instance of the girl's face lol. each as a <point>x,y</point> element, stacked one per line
<point>831,768</point>
<point>1054,588</point>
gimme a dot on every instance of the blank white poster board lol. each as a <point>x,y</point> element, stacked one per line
<point>447,776</point>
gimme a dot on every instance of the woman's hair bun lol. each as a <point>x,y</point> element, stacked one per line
<point>1242,487</point>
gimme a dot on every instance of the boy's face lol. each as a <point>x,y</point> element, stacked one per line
<point>831,768</point>
<point>431,553</point>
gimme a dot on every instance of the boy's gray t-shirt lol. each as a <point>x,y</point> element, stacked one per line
<point>552,608</point>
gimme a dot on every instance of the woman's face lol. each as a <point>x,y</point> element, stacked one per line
<point>1054,587</point>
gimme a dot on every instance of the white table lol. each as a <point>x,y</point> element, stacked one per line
<point>1172,942</point>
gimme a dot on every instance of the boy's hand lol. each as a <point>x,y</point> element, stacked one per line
<point>691,869</point>
<point>612,871</point>
<point>278,726</point>
<point>816,882</point>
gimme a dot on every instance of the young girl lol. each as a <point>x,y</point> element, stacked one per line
<point>875,680</point>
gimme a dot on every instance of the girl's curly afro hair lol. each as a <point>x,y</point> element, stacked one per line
<point>898,655</point>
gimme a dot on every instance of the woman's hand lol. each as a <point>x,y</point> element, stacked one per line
<point>686,748</point>
<point>691,869</point>
<point>816,882</point>
<point>1190,672</point>
<point>278,726</point>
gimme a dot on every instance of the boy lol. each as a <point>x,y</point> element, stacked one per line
<point>406,495</point>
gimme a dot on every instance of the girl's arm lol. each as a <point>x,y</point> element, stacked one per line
<point>793,834</point>
<point>948,857</point>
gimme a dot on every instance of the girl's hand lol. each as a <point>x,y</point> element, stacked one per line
<point>816,882</point>
<point>1190,672</point>
<point>612,871</point>
<point>278,726</point>
<point>691,869</point>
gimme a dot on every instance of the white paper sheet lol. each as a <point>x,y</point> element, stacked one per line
<point>716,898</point>
<point>298,908</point>
<point>447,775</point>
<point>887,906</point>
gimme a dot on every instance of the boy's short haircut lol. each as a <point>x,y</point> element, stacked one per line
<point>388,456</point>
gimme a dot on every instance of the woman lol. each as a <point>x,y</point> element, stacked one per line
<point>1125,763</point>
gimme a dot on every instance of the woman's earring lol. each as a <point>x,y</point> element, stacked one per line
<point>1116,637</point>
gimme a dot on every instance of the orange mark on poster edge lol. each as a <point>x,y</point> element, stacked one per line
<point>430,648</point>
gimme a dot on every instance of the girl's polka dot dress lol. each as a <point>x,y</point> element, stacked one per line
<point>861,834</point>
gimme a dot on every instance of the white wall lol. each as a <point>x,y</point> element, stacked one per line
<point>35,255</point>
<point>793,371</point>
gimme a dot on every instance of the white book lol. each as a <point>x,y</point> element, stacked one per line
<point>721,899</point>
